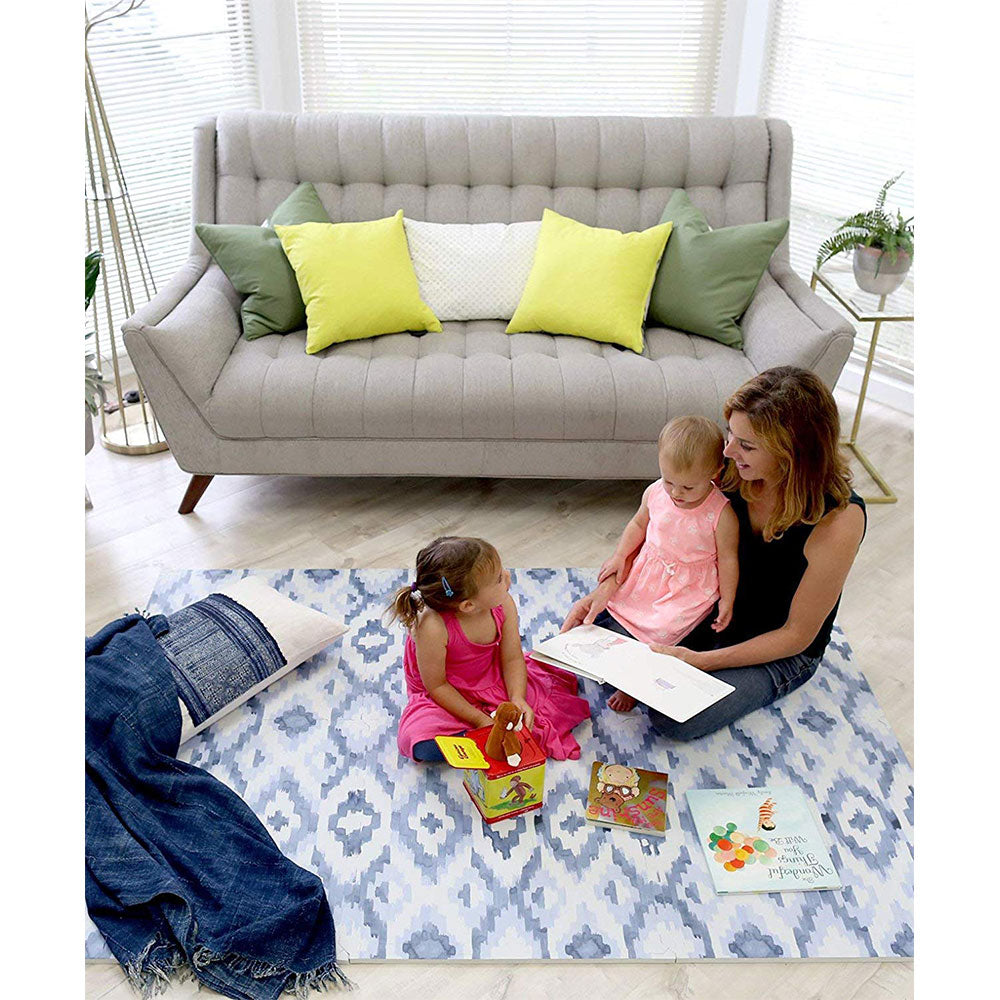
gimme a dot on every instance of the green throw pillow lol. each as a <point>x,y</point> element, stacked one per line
<point>707,276</point>
<point>255,263</point>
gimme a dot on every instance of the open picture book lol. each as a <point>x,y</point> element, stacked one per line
<point>663,682</point>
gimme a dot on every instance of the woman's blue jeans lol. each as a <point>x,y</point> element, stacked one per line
<point>755,686</point>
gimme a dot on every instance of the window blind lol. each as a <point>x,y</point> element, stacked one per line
<point>159,69</point>
<point>631,57</point>
<point>842,76</point>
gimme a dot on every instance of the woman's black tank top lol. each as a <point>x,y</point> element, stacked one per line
<point>770,573</point>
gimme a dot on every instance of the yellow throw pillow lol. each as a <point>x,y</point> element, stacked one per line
<point>590,282</point>
<point>356,280</point>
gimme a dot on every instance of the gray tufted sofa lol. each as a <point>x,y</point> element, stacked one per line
<point>470,401</point>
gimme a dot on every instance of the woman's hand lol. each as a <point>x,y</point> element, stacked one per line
<point>527,712</point>
<point>579,612</point>
<point>687,655</point>
<point>588,608</point>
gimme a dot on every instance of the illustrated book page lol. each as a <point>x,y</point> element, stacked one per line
<point>762,839</point>
<point>663,682</point>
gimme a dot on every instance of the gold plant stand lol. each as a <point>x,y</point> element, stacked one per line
<point>877,316</point>
<point>107,196</point>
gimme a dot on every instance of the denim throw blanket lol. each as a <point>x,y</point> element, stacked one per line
<point>217,650</point>
<point>181,876</point>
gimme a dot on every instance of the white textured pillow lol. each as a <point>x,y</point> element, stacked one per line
<point>472,270</point>
<point>299,631</point>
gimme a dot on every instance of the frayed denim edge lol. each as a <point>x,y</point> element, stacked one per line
<point>150,973</point>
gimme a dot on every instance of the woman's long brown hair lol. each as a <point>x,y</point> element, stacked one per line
<point>795,417</point>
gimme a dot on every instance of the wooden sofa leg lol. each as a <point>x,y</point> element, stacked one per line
<point>195,491</point>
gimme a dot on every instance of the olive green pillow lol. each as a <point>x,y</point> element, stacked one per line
<point>256,264</point>
<point>707,276</point>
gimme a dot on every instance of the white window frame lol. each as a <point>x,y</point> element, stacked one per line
<point>743,47</point>
<point>276,49</point>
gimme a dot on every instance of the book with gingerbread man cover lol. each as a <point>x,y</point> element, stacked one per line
<point>629,797</point>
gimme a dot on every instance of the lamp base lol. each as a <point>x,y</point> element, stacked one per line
<point>142,440</point>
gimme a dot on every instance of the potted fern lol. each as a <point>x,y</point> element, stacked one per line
<point>93,380</point>
<point>882,245</point>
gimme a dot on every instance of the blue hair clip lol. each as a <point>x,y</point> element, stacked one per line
<point>448,592</point>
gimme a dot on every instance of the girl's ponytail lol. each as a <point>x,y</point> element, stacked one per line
<point>449,570</point>
<point>405,606</point>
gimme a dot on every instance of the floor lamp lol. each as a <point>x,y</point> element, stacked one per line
<point>114,228</point>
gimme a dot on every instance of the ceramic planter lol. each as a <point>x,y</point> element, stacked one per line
<point>875,272</point>
<point>88,431</point>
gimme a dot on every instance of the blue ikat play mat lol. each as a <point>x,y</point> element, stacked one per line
<point>412,872</point>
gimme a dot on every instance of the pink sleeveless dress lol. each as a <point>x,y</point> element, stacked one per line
<point>474,669</point>
<point>674,581</point>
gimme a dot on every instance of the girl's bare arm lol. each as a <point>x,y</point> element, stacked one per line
<point>515,672</point>
<point>630,541</point>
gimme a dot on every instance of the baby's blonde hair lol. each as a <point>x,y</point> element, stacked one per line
<point>692,444</point>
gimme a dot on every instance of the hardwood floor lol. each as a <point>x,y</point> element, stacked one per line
<point>134,531</point>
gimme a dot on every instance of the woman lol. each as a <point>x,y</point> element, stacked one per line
<point>800,528</point>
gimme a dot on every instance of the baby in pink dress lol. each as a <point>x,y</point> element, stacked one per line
<point>463,656</point>
<point>689,536</point>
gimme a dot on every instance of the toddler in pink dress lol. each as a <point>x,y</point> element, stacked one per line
<point>689,536</point>
<point>463,656</point>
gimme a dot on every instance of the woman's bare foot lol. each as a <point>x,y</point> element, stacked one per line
<point>621,702</point>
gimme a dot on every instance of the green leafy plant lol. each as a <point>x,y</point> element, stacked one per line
<point>93,380</point>
<point>875,228</point>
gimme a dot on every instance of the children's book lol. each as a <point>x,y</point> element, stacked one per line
<point>628,797</point>
<point>761,839</point>
<point>663,682</point>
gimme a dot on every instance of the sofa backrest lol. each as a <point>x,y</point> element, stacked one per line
<point>603,171</point>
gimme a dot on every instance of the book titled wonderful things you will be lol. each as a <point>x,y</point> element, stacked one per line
<point>761,839</point>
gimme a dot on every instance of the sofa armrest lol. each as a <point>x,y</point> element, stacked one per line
<point>789,324</point>
<point>191,325</point>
